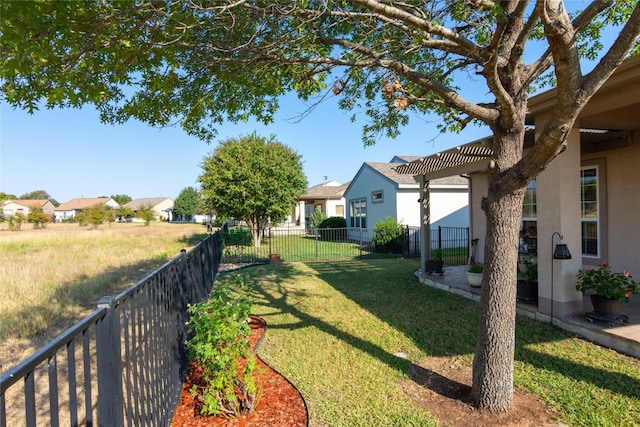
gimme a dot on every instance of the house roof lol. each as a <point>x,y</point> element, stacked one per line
<point>28,203</point>
<point>83,203</point>
<point>328,190</point>
<point>148,201</point>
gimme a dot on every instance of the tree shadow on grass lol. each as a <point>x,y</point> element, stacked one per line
<point>439,323</point>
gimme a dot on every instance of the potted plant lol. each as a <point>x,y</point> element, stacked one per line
<point>435,264</point>
<point>474,274</point>
<point>527,288</point>
<point>608,290</point>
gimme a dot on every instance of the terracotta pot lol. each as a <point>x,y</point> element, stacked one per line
<point>606,306</point>
<point>274,258</point>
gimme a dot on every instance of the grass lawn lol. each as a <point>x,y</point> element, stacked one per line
<point>335,330</point>
<point>51,278</point>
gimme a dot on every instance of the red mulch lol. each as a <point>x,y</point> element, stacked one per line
<point>279,404</point>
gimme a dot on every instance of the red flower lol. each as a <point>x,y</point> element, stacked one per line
<point>628,294</point>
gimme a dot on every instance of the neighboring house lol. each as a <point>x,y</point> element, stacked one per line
<point>12,207</point>
<point>378,192</point>
<point>327,197</point>
<point>162,206</point>
<point>589,194</point>
<point>73,207</point>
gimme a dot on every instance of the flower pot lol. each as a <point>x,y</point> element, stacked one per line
<point>274,258</point>
<point>474,279</point>
<point>606,306</point>
<point>434,266</point>
<point>527,290</point>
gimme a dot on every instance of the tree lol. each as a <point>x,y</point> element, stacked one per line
<point>146,213</point>
<point>122,199</point>
<point>39,218</point>
<point>469,61</point>
<point>254,179</point>
<point>187,203</point>
<point>96,215</point>
<point>36,195</point>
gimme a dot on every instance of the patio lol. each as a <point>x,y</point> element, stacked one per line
<point>621,337</point>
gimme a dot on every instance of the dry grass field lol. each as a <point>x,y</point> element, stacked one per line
<point>50,278</point>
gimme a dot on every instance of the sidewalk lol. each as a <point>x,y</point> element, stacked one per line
<point>624,338</point>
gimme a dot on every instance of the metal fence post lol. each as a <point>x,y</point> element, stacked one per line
<point>316,234</point>
<point>109,366</point>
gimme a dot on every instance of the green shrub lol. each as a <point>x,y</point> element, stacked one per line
<point>388,236</point>
<point>219,345</point>
<point>39,218</point>
<point>328,232</point>
<point>238,236</point>
<point>317,217</point>
<point>15,221</point>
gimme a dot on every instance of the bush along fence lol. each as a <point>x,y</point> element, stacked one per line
<point>341,243</point>
<point>123,364</point>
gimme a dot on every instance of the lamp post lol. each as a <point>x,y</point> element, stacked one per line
<point>561,251</point>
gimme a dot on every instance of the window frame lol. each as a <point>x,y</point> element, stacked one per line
<point>358,212</point>
<point>601,212</point>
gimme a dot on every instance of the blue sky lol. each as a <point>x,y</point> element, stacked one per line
<point>69,153</point>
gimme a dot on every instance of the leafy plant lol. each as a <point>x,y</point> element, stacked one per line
<point>604,282</point>
<point>238,236</point>
<point>476,267</point>
<point>530,273</point>
<point>219,330</point>
<point>436,254</point>
<point>317,218</point>
<point>15,221</point>
<point>388,236</point>
<point>333,229</point>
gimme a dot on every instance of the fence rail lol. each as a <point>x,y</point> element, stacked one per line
<point>339,243</point>
<point>123,364</point>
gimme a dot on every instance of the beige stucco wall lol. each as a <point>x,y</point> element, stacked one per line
<point>622,166</point>
<point>478,188</point>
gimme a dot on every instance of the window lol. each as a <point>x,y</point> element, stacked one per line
<point>358,213</point>
<point>589,211</point>
<point>529,205</point>
<point>340,210</point>
<point>376,196</point>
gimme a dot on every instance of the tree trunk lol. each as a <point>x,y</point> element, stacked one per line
<point>492,388</point>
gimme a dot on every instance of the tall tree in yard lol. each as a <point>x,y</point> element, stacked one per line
<point>201,62</point>
<point>254,179</point>
<point>187,203</point>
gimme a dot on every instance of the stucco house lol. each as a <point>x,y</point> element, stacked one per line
<point>327,197</point>
<point>378,191</point>
<point>73,207</point>
<point>11,207</point>
<point>588,195</point>
<point>162,206</point>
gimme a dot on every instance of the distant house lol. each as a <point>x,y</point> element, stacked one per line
<point>327,197</point>
<point>12,207</point>
<point>378,192</point>
<point>162,206</point>
<point>73,207</point>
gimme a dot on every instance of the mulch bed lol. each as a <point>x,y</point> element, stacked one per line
<point>279,404</point>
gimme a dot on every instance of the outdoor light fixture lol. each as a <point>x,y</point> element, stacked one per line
<point>561,251</point>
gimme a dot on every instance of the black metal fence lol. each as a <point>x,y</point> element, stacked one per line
<point>340,243</point>
<point>124,364</point>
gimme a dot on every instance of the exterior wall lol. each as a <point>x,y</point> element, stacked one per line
<point>332,207</point>
<point>369,181</point>
<point>449,207</point>
<point>478,188</point>
<point>408,212</point>
<point>622,246</point>
<point>14,207</point>
<point>162,209</point>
